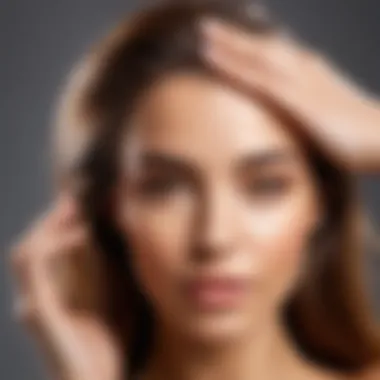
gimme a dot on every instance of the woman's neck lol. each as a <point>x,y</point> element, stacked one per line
<point>266,354</point>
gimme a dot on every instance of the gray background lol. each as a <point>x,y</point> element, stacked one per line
<point>39,42</point>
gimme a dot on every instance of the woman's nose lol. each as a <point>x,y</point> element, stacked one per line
<point>216,225</point>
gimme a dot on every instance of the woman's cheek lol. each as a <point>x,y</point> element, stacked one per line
<point>158,239</point>
<point>281,236</point>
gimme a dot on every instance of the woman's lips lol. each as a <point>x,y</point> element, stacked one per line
<point>210,293</point>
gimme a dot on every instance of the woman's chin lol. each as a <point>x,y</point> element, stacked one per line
<point>217,328</point>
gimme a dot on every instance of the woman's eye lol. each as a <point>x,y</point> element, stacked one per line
<point>155,187</point>
<point>268,186</point>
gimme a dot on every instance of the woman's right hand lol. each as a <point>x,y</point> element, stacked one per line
<point>77,345</point>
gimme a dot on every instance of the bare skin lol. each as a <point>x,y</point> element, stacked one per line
<point>338,114</point>
<point>245,210</point>
<point>76,346</point>
<point>175,120</point>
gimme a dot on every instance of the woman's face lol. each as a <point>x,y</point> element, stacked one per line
<point>217,201</point>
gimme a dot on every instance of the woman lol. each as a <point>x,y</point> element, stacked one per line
<point>205,166</point>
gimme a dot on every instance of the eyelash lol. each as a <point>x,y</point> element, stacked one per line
<point>267,187</point>
<point>259,187</point>
<point>157,187</point>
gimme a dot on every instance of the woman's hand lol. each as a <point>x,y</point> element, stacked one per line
<point>77,345</point>
<point>339,116</point>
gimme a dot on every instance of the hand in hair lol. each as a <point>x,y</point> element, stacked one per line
<point>340,117</point>
<point>76,340</point>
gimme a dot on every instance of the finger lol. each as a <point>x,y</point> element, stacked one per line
<point>252,78</point>
<point>278,52</point>
<point>220,33</point>
<point>35,279</point>
<point>32,262</point>
<point>38,238</point>
<point>68,211</point>
<point>62,212</point>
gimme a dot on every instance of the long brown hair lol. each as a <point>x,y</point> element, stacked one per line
<point>329,315</point>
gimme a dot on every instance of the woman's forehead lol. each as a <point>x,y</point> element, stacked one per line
<point>195,115</point>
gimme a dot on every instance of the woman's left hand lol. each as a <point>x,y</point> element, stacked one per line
<point>338,115</point>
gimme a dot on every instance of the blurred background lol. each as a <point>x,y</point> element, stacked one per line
<point>40,41</point>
